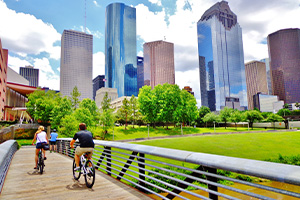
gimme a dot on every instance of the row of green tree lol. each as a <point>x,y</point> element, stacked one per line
<point>163,105</point>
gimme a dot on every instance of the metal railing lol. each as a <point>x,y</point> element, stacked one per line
<point>7,150</point>
<point>169,173</point>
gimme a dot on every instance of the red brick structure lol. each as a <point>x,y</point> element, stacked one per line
<point>3,78</point>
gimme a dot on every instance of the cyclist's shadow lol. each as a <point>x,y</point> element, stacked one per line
<point>35,172</point>
<point>78,186</point>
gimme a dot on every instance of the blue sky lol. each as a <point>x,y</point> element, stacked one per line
<point>31,30</point>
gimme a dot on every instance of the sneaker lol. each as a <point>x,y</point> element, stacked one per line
<point>77,169</point>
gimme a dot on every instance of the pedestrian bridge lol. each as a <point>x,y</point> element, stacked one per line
<point>131,171</point>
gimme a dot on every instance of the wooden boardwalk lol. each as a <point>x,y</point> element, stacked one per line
<point>23,182</point>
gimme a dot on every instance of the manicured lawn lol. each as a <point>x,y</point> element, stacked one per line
<point>142,132</point>
<point>258,146</point>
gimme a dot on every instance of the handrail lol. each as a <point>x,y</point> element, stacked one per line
<point>141,166</point>
<point>7,150</point>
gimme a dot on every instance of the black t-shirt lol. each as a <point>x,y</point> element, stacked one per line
<point>85,138</point>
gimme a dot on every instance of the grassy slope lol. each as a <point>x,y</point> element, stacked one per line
<point>258,146</point>
<point>142,132</point>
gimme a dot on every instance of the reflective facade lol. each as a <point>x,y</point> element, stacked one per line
<point>284,55</point>
<point>159,63</point>
<point>120,49</point>
<point>221,58</point>
<point>76,64</point>
<point>269,80</point>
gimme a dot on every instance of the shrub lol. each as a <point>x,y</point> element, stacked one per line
<point>22,133</point>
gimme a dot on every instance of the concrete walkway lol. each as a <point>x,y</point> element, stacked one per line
<point>23,182</point>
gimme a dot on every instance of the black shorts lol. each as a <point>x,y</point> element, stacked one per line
<point>52,142</point>
<point>40,145</point>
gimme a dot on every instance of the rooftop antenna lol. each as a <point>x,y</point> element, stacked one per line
<point>84,16</point>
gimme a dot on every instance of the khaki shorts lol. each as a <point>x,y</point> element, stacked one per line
<point>81,150</point>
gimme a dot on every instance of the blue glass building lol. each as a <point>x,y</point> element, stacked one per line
<point>120,49</point>
<point>221,58</point>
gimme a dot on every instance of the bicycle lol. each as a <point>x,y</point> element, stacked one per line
<point>41,164</point>
<point>87,169</point>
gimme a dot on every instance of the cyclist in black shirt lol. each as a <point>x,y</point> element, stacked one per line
<point>85,138</point>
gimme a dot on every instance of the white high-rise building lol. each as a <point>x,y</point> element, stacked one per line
<point>76,64</point>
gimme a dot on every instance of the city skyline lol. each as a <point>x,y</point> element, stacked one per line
<point>175,21</point>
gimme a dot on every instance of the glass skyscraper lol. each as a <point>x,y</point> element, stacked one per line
<point>221,58</point>
<point>76,64</point>
<point>120,49</point>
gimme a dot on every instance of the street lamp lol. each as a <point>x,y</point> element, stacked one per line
<point>248,124</point>
<point>214,127</point>
<point>148,130</point>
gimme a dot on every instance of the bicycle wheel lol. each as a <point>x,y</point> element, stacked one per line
<point>76,174</point>
<point>41,163</point>
<point>89,176</point>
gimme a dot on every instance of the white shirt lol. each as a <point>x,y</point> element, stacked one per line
<point>41,137</point>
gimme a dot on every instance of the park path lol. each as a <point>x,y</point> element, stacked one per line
<point>23,182</point>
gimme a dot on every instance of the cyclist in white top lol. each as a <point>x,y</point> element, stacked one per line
<point>41,138</point>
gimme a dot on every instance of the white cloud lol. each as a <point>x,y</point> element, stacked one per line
<point>47,77</point>
<point>25,34</point>
<point>15,63</point>
<point>96,34</point>
<point>157,2</point>
<point>98,64</point>
<point>140,53</point>
<point>96,4</point>
<point>150,26</point>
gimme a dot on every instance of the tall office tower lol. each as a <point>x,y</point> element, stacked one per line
<point>284,55</point>
<point>256,79</point>
<point>140,73</point>
<point>120,49</point>
<point>3,79</point>
<point>76,64</point>
<point>269,80</point>
<point>221,58</point>
<point>31,74</point>
<point>159,63</point>
<point>98,83</point>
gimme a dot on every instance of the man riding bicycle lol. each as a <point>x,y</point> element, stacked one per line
<point>87,145</point>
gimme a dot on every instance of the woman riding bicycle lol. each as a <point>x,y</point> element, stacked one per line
<point>41,138</point>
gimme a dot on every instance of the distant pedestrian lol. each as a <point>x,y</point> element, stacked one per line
<point>53,136</point>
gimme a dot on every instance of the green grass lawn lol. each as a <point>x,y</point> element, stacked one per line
<point>258,146</point>
<point>142,132</point>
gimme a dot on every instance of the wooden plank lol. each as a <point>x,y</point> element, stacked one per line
<point>23,182</point>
